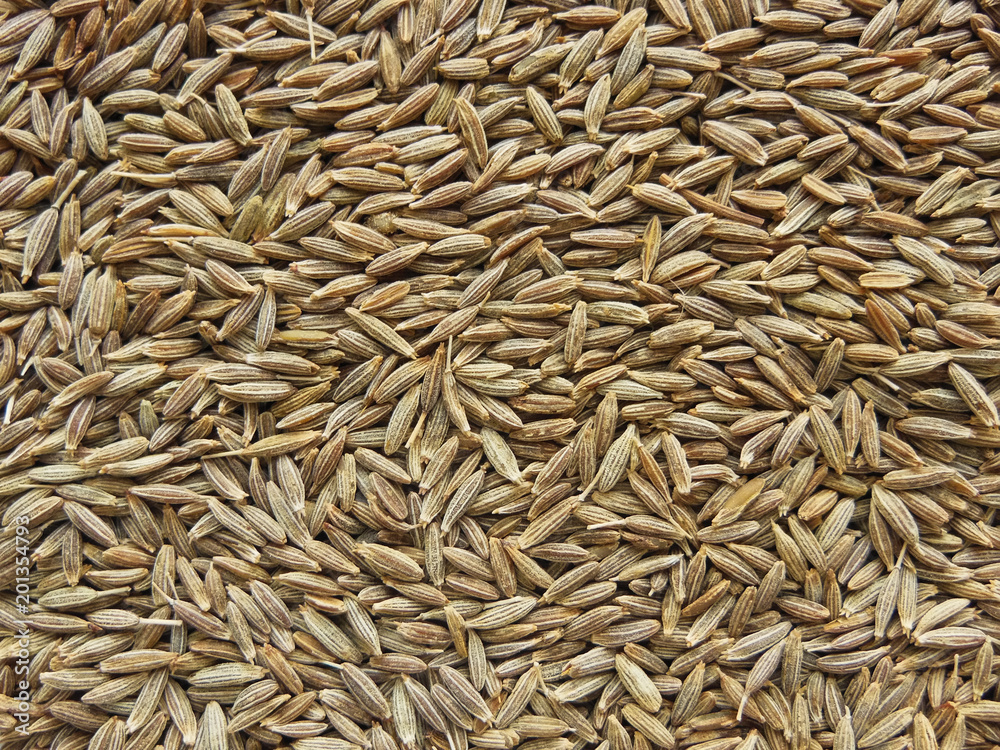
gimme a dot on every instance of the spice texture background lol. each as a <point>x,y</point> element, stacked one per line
<point>493,374</point>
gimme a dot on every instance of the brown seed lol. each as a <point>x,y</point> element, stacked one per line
<point>401,352</point>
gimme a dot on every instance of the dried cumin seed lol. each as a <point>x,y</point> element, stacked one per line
<point>588,354</point>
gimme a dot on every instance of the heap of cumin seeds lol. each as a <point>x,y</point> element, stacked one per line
<point>389,375</point>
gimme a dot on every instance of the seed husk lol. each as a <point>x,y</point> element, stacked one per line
<point>500,375</point>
